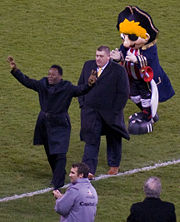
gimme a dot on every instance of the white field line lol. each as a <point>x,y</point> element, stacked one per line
<point>129,172</point>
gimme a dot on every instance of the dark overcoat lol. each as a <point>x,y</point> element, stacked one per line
<point>108,98</point>
<point>53,123</point>
<point>152,210</point>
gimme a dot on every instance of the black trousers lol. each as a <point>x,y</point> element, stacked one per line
<point>57,163</point>
<point>114,148</point>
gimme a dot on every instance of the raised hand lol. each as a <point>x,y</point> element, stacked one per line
<point>11,62</point>
<point>92,78</point>
<point>115,54</point>
<point>131,57</point>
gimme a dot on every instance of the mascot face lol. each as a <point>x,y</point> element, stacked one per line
<point>133,35</point>
<point>133,41</point>
<point>136,28</point>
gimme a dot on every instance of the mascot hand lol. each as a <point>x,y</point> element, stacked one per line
<point>131,57</point>
<point>116,55</point>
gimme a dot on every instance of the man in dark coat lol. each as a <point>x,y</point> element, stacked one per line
<point>53,124</point>
<point>102,110</point>
<point>152,209</point>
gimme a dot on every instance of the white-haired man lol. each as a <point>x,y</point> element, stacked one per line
<point>152,209</point>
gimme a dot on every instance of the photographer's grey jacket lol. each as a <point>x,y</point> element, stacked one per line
<point>78,204</point>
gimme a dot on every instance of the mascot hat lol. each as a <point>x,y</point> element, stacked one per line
<point>133,13</point>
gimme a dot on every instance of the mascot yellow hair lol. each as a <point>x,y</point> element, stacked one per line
<point>132,27</point>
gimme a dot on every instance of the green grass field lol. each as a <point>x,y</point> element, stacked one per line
<point>41,33</point>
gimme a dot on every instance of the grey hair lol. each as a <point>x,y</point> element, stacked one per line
<point>152,187</point>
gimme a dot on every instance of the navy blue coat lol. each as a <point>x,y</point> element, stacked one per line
<point>53,123</point>
<point>164,86</point>
<point>108,98</point>
<point>152,210</point>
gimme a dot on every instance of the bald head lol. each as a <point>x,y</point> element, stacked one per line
<point>152,187</point>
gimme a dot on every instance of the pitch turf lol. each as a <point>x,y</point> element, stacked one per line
<point>41,33</point>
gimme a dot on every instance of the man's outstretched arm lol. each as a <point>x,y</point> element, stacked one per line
<point>23,79</point>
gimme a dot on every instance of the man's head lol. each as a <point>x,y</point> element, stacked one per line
<point>55,74</point>
<point>102,56</point>
<point>78,170</point>
<point>152,187</point>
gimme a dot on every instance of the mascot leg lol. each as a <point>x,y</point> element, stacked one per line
<point>142,123</point>
<point>139,106</point>
<point>144,105</point>
<point>137,101</point>
<point>146,109</point>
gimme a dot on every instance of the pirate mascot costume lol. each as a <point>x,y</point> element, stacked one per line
<point>149,84</point>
